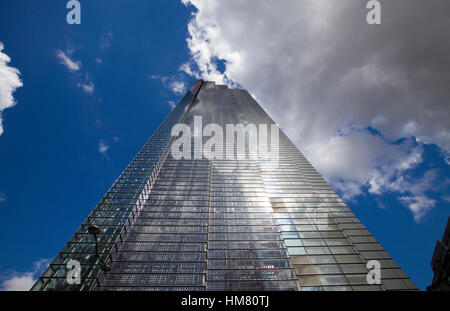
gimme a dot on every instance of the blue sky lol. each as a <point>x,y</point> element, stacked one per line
<point>93,93</point>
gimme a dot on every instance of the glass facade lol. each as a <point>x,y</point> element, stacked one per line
<point>215,224</point>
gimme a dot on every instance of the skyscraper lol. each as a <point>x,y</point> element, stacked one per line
<point>202,223</point>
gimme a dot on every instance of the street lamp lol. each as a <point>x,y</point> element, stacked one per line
<point>94,230</point>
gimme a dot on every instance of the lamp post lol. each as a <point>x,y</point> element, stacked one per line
<point>94,230</point>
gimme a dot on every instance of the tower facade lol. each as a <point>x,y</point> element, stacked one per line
<point>216,223</point>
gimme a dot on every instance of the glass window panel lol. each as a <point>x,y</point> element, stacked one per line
<point>296,250</point>
<point>293,242</point>
<point>333,280</point>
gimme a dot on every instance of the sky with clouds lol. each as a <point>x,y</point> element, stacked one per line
<point>367,105</point>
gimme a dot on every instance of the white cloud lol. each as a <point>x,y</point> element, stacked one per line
<point>157,77</point>
<point>334,75</point>
<point>9,82</point>
<point>105,40</point>
<point>103,147</point>
<point>172,104</point>
<point>64,59</point>
<point>178,87</point>
<point>87,87</point>
<point>186,68</point>
<point>2,197</point>
<point>419,205</point>
<point>23,281</point>
<point>416,200</point>
<point>83,80</point>
<point>173,83</point>
<point>105,43</point>
<point>86,84</point>
<point>380,204</point>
